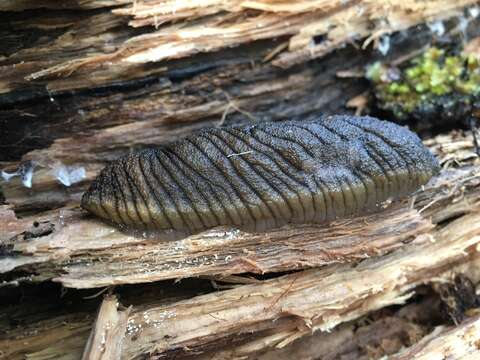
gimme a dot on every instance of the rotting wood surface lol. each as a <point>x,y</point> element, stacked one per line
<point>177,29</point>
<point>81,89</point>
<point>275,312</point>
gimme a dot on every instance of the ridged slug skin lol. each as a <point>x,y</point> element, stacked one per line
<point>260,176</point>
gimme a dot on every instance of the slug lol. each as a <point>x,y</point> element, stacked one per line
<point>259,176</point>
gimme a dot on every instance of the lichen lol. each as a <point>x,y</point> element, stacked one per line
<point>434,81</point>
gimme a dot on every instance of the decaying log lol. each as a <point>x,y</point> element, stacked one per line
<point>378,336</point>
<point>352,340</point>
<point>86,253</point>
<point>90,80</point>
<point>82,252</point>
<point>313,28</point>
<point>45,315</point>
<point>299,303</point>
<point>275,312</point>
<point>59,337</point>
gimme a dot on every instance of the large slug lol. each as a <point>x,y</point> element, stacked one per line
<point>260,176</point>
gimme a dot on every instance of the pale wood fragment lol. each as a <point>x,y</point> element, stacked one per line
<point>108,332</point>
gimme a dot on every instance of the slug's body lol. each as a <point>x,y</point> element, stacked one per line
<point>260,176</point>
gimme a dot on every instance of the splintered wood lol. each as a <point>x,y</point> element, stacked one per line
<point>182,28</point>
<point>86,253</point>
<point>303,302</point>
<point>108,332</point>
<point>274,313</point>
<point>90,80</point>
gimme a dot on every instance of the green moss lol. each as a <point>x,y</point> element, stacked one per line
<point>431,76</point>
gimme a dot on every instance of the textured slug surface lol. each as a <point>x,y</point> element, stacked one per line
<point>260,176</point>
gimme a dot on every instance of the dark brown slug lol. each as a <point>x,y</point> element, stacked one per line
<point>260,176</point>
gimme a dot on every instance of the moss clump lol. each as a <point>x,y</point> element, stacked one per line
<point>435,84</point>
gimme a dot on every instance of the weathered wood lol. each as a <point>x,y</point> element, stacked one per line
<point>87,254</point>
<point>63,337</point>
<point>33,318</point>
<point>297,304</point>
<point>79,88</point>
<point>105,340</point>
<point>183,29</point>
<point>20,5</point>
<point>405,331</point>
<point>381,333</point>
<point>275,312</point>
